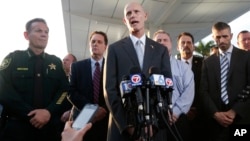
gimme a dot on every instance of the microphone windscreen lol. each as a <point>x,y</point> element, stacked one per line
<point>125,77</point>
<point>154,70</point>
<point>135,70</point>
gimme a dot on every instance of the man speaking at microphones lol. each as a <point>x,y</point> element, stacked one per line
<point>136,50</point>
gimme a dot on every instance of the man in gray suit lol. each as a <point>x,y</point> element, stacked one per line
<point>221,102</point>
<point>121,57</point>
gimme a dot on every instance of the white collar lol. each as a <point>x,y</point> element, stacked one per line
<point>135,39</point>
<point>229,50</point>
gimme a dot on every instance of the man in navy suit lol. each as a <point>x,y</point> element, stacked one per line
<point>121,57</point>
<point>82,86</point>
<point>224,112</point>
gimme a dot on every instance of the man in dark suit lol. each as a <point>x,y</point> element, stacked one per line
<point>82,86</point>
<point>226,110</point>
<point>185,45</point>
<point>121,57</point>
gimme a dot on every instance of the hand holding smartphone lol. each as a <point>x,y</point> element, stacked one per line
<point>85,116</point>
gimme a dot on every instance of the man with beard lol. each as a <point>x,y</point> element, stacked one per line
<point>121,57</point>
<point>224,76</point>
<point>185,45</point>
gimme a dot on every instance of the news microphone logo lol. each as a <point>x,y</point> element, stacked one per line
<point>125,88</point>
<point>136,80</point>
<point>169,82</point>
<point>157,80</point>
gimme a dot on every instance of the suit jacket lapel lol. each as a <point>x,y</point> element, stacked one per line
<point>87,67</point>
<point>130,50</point>
<point>217,68</point>
<point>149,52</point>
<point>232,61</point>
<point>195,65</point>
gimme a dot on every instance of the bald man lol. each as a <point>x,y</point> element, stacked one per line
<point>121,57</point>
<point>67,61</point>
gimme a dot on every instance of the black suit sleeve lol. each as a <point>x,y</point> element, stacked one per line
<point>110,84</point>
<point>242,79</point>
<point>77,95</point>
<point>206,101</point>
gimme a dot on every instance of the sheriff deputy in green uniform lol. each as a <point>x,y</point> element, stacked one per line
<point>34,87</point>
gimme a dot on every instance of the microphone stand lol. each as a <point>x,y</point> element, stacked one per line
<point>168,102</point>
<point>140,111</point>
<point>148,113</point>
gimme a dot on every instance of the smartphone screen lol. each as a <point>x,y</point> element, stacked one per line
<point>85,116</point>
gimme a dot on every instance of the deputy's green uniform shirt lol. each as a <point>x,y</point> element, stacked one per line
<point>17,93</point>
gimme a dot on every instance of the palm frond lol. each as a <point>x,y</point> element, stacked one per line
<point>204,48</point>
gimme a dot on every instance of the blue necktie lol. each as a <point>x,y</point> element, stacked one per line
<point>139,52</point>
<point>224,64</point>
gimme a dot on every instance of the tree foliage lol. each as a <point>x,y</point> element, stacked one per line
<point>204,48</point>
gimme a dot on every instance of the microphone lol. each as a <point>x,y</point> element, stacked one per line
<point>156,78</point>
<point>169,84</point>
<point>125,87</point>
<point>157,82</point>
<point>169,89</point>
<point>128,99</point>
<point>136,82</point>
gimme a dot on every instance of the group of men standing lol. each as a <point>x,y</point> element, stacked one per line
<point>205,92</point>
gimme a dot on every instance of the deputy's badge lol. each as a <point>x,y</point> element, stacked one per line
<point>52,66</point>
<point>5,63</point>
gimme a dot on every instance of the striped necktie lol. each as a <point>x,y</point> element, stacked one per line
<point>96,82</point>
<point>224,64</point>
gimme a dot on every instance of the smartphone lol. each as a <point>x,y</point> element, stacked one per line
<point>85,116</point>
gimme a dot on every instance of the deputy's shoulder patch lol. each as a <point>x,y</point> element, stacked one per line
<point>5,63</point>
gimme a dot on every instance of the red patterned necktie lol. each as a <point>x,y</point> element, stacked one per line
<point>96,82</point>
